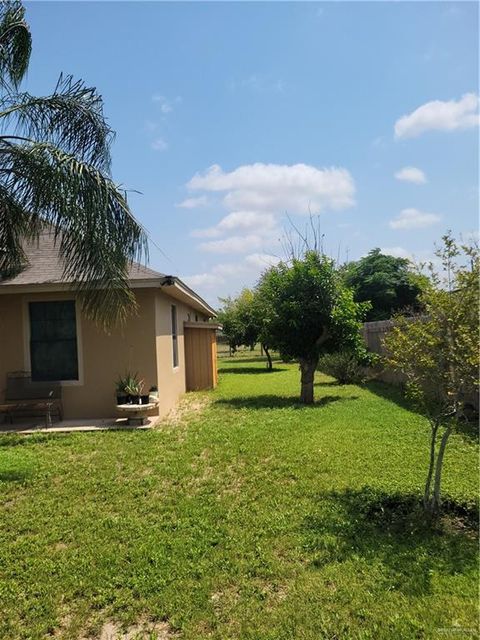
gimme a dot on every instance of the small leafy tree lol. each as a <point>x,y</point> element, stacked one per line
<point>390,284</point>
<point>247,320</point>
<point>240,320</point>
<point>306,310</point>
<point>226,316</point>
<point>438,353</point>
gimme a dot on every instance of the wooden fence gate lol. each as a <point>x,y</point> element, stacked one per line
<point>200,356</point>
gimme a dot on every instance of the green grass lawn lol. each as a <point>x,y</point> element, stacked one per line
<point>246,516</point>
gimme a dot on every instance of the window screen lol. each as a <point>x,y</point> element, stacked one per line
<point>53,340</point>
<point>174,336</point>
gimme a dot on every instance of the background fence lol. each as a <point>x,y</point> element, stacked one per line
<point>374,334</point>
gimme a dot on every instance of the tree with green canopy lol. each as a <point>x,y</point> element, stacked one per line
<point>55,173</point>
<point>241,322</point>
<point>226,316</point>
<point>306,310</point>
<point>438,353</point>
<point>390,284</point>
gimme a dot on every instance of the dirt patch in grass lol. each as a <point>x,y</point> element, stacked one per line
<point>143,630</point>
<point>184,410</point>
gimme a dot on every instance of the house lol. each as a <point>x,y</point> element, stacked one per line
<point>170,342</point>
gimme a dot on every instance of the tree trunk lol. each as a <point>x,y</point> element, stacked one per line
<point>269,357</point>
<point>307,368</point>
<point>431,466</point>
<point>436,501</point>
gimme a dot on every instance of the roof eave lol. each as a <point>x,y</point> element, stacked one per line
<point>192,298</point>
<point>168,282</point>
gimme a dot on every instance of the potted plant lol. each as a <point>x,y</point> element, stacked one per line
<point>134,389</point>
<point>129,389</point>
<point>122,394</point>
<point>153,394</point>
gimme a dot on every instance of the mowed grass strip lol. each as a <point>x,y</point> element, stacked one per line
<point>245,516</point>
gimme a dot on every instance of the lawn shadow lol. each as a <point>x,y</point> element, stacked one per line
<point>11,440</point>
<point>467,429</point>
<point>18,440</point>
<point>278,402</point>
<point>248,370</point>
<point>392,529</point>
<point>15,476</point>
<point>251,360</point>
<point>390,392</point>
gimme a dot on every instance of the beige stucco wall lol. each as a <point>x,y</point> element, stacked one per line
<point>171,381</point>
<point>101,357</point>
<point>144,345</point>
<point>11,338</point>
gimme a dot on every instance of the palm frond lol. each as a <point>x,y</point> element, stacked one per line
<point>15,226</point>
<point>15,43</point>
<point>97,233</point>
<point>71,119</point>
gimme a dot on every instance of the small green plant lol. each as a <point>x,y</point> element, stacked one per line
<point>438,353</point>
<point>130,384</point>
<point>344,366</point>
<point>120,384</point>
<point>134,386</point>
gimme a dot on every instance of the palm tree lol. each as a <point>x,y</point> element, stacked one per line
<point>55,173</point>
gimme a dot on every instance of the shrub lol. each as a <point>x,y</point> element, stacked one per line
<point>344,366</point>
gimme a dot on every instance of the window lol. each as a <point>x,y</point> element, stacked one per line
<point>174,336</point>
<point>53,340</point>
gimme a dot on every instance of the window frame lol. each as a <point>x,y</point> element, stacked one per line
<point>174,332</point>
<point>27,336</point>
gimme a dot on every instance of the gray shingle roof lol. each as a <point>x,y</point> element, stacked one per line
<point>45,266</point>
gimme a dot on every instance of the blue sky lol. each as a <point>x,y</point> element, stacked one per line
<point>230,115</point>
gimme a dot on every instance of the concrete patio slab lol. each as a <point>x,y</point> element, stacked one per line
<point>74,426</point>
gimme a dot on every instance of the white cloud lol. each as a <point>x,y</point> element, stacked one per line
<point>229,269</point>
<point>166,105</point>
<point>255,196</point>
<point>414,219</point>
<point>411,174</point>
<point>228,277</point>
<point>209,232</point>
<point>159,144</point>
<point>276,188</point>
<point>240,222</point>
<point>247,221</point>
<point>470,236</point>
<point>397,252</point>
<point>261,260</point>
<point>204,280</point>
<point>234,244</point>
<point>440,116</point>
<point>193,203</point>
